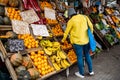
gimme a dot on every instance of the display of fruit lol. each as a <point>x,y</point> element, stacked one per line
<point>13,3</point>
<point>13,13</point>
<point>72,56</point>
<point>41,62</point>
<point>29,41</point>
<point>4,2</point>
<point>51,21</point>
<point>45,4</point>
<point>66,45</point>
<point>57,30</point>
<point>60,19</point>
<point>16,59</point>
<point>33,73</point>
<point>49,46</point>
<point>59,60</point>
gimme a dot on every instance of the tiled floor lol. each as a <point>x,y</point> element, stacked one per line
<point>106,67</point>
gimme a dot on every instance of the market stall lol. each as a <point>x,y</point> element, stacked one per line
<point>30,40</point>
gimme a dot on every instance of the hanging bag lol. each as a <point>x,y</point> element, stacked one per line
<point>92,41</point>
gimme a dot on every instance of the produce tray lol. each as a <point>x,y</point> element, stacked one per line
<point>5,27</point>
<point>10,66</point>
<point>7,62</point>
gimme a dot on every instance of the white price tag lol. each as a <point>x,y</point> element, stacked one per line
<point>49,13</point>
<point>20,27</point>
<point>29,16</point>
<point>40,30</point>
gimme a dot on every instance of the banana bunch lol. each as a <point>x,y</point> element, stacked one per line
<point>59,60</point>
<point>46,43</point>
<point>61,54</point>
<point>50,47</point>
<point>64,63</point>
<point>48,52</point>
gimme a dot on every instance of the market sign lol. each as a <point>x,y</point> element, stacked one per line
<point>29,16</point>
<point>49,13</point>
<point>39,30</point>
<point>20,27</point>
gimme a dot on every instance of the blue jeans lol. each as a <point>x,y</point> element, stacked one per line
<point>83,51</point>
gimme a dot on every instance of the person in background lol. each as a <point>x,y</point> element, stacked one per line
<point>77,28</point>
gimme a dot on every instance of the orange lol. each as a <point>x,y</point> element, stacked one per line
<point>28,46</point>
<point>36,45</point>
<point>32,57</point>
<point>35,59</point>
<point>39,59</point>
<point>39,63</point>
<point>52,69</point>
<point>43,73</point>
<point>45,57</point>
<point>45,64</point>
<point>36,63</point>
<point>36,42</point>
<point>39,55</point>
<point>49,70</point>
<point>32,53</point>
<point>39,66</point>
<point>39,51</point>
<point>42,52</point>
<point>43,69</point>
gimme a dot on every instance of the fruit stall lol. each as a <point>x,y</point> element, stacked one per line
<point>30,39</point>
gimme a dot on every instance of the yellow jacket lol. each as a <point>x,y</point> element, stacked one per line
<point>77,28</point>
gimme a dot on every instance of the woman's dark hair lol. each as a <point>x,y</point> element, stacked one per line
<point>73,15</point>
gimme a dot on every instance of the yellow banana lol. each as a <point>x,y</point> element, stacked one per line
<point>62,55</point>
<point>63,64</point>
<point>66,62</point>
<point>47,52</point>
<point>56,66</point>
<point>59,65</point>
<point>58,55</point>
<point>57,59</point>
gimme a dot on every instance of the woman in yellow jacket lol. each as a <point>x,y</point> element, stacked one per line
<point>77,28</point>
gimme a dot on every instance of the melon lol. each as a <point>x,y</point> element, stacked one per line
<point>20,68</point>
<point>16,59</point>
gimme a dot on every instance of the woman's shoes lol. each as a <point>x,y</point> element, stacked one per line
<point>79,75</point>
<point>91,73</point>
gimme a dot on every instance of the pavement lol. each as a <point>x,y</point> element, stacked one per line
<point>106,66</point>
